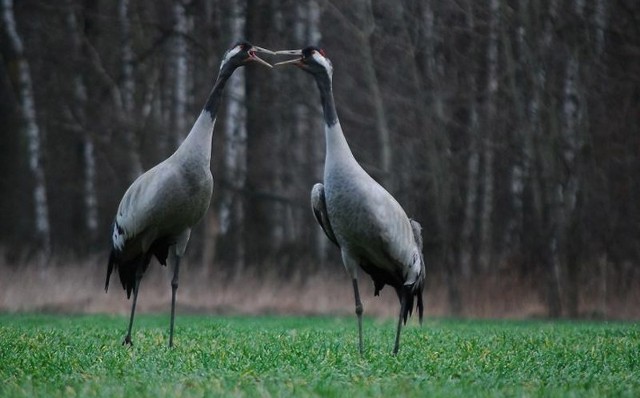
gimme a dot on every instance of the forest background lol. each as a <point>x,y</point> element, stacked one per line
<point>508,128</point>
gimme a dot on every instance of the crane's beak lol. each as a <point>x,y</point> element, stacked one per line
<point>295,61</point>
<point>254,57</point>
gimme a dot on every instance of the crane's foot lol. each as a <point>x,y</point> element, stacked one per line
<point>127,341</point>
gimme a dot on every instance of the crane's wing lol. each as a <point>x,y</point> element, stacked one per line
<point>133,224</point>
<point>319,207</point>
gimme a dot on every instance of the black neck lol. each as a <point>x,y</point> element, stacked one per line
<point>213,102</point>
<point>326,96</point>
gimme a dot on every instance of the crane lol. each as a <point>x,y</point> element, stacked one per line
<point>357,214</point>
<point>161,206</point>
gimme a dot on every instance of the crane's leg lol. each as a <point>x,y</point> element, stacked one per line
<point>127,339</point>
<point>359,310</point>
<point>403,305</point>
<point>174,288</point>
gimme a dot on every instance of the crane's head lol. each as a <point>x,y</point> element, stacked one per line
<point>242,53</point>
<point>311,59</point>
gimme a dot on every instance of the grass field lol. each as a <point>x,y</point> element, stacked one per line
<point>51,355</point>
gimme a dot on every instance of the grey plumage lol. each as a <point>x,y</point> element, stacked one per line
<point>157,212</point>
<point>369,226</point>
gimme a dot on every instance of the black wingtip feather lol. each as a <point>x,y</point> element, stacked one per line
<point>411,293</point>
<point>112,261</point>
<point>128,269</point>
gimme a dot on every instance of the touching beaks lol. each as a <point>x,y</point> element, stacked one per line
<point>254,57</point>
<point>289,52</point>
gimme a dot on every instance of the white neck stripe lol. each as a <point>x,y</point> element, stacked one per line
<point>324,62</point>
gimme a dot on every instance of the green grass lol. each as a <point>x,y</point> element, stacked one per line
<point>47,355</point>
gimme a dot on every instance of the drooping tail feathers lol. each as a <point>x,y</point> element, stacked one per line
<point>409,293</point>
<point>128,270</point>
<point>417,288</point>
<point>110,266</point>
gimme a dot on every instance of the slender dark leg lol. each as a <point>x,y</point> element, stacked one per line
<point>127,339</point>
<point>403,304</point>
<point>359,311</point>
<point>174,288</point>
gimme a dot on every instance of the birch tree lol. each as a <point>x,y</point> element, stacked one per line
<point>516,61</point>
<point>569,189</point>
<point>600,25</point>
<point>486,217</point>
<point>208,18</point>
<point>78,119</point>
<point>23,85</point>
<point>367,30</point>
<point>307,30</point>
<point>180,71</point>
<point>127,89</point>
<point>544,188</point>
<point>235,148</point>
<point>468,232</point>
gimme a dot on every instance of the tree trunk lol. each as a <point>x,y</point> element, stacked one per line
<point>260,92</point>
<point>486,216</point>
<point>370,76</point>
<point>600,24</point>
<point>569,188</point>
<point>181,71</point>
<point>232,210</point>
<point>543,233</point>
<point>127,90</point>
<point>21,79</point>
<point>78,119</point>
<point>516,61</point>
<point>307,30</point>
<point>468,261</point>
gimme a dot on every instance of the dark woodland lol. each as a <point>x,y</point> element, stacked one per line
<point>510,129</point>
